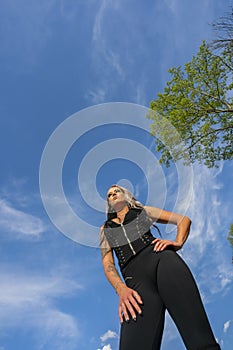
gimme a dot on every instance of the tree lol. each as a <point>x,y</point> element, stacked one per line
<point>223,28</point>
<point>230,237</point>
<point>198,102</point>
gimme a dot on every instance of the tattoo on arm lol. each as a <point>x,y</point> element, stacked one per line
<point>104,251</point>
<point>112,269</point>
<point>109,266</point>
<point>104,245</point>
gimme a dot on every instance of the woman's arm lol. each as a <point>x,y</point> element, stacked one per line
<point>129,299</point>
<point>109,264</point>
<point>182,222</point>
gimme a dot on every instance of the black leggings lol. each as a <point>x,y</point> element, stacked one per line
<point>164,281</point>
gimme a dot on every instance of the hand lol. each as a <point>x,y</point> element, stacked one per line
<point>128,303</point>
<point>162,244</point>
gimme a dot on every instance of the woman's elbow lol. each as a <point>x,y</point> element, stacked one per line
<point>187,220</point>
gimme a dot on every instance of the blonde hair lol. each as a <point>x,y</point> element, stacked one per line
<point>129,198</point>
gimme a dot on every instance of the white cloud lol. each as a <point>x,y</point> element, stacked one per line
<point>108,335</point>
<point>226,339</point>
<point>196,17</point>
<point>170,332</point>
<point>28,302</point>
<point>15,191</point>
<point>205,250</point>
<point>58,329</point>
<point>19,290</point>
<point>226,326</point>
<point>97,96</point>
<point>105,55</point>
<point>106,347</point>
<point>18,221</point>
<point>99,18</point>
<point>141,97</point>
<point>99,31</point>
<point>130,60</point>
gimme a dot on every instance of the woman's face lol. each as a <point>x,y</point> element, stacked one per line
<point>116,197</point>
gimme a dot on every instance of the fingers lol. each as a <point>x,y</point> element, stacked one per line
<point>123,313</point>
<point>133,304</point>
<point>129,307</point>
<point>137,297</point>
<point>131,311</point>
<point>161,244</point>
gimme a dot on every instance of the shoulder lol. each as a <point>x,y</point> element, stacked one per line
<point>104,244</point>
<point>102,233</point>
<point>153,212</point>
<point>164,216</point>
<point>102,227</point>
<point>106,227</point>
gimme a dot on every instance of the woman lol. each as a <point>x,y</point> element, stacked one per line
<point>155,278</point>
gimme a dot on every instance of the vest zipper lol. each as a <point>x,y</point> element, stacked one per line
<point>130,245</point>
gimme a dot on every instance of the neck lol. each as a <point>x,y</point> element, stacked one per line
<point>122,212</point>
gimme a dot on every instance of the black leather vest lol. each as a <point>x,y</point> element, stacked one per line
<point>130,237</point>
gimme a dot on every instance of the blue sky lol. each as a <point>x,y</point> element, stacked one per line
<point>60,59</point>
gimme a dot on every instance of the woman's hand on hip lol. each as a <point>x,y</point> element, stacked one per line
<point>129,303</point>
<point>162,244</point>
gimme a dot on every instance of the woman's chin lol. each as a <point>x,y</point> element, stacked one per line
<point>117,206</point>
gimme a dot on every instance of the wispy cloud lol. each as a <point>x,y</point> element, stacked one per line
<point>227,335</point>
<point>170,331</point>
<point>107,57</point>
<point>226,326</point>
<point>102,48</point>
<point>108,335</point>
<point>18,221</point>
<point>176,40</point>
<point>99,18</point>
<point>97,96</point>
<point>130,59</point>
<point>29,301</point>
<point>204,249</point>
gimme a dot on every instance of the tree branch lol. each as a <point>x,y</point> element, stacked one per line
<point>215,131</point>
